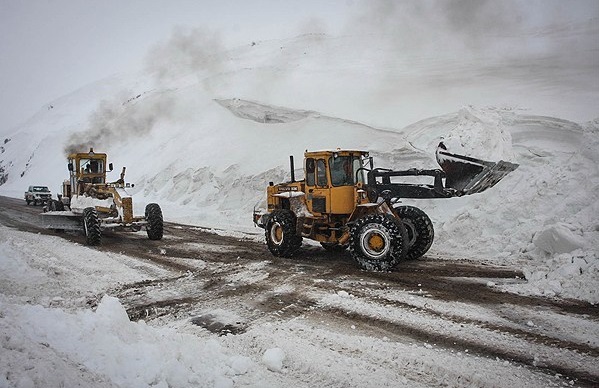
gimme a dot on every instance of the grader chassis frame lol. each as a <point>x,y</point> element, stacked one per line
<point>91,204</point>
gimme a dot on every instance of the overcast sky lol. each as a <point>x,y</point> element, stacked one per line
<point>49,48</point>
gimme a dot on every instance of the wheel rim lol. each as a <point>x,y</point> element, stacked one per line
<point>276,233</point>
<point>375,242</point>
<point>411,229</point>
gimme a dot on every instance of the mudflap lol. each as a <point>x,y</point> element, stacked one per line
<point>469,175</point>
<point>64,220</point>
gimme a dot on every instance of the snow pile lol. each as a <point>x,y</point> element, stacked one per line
<point>105,344</point>
<point>543,209</point>
<point>482,133</point>
<point>568,275</point>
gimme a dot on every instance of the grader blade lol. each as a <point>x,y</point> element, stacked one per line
<point>469,175</point>
<point>65,220</point>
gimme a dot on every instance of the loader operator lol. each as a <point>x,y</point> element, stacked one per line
<point>341,171</point>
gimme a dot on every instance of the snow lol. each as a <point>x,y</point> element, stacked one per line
<point>273,359</point>
<point>203,139</point>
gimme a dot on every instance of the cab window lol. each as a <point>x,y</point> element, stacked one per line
<point>92,166</point>
<point>341,171</point>
<point>310,170</point>
<point>357,173</point>
<point>321,173</point>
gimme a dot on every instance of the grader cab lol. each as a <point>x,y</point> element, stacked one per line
<point>90,203</point>
<point>344,202</point>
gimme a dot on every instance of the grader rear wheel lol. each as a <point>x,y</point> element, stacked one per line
<point>378,242</point>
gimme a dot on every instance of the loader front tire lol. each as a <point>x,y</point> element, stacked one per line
<point>91,226</point>
<point>420,230</point>
<point>377,242</point>
<point>281,235</point>
<point>154,221</point>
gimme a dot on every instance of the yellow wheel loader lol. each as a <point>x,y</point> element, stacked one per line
<point>91,204</point>
<point>345,203</point>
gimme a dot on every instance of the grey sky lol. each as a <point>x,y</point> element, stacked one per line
<point>49,48</point>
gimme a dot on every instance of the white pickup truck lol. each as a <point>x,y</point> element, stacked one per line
<point>37,195</point>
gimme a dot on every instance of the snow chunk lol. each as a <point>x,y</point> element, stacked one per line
<point>240,364</point>
<point>558,238</point>
<point>111,311</point>
<point>273,359</point>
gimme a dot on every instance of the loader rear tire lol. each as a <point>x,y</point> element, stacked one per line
<point>154,221</point>
<point>378,242</point>
<point>420,230</point>
<point>281,234</point>
<point>91,226</point>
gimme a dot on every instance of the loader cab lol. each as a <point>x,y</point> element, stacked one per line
<point>332,179</point>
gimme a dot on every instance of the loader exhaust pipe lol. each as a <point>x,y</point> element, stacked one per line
<point>292,167</point>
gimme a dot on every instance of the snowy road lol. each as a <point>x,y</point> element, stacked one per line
<point>431,321</point>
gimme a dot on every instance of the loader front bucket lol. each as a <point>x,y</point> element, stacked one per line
<point>469,175</point>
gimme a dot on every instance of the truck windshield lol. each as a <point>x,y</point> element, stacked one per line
<point>40,189</point>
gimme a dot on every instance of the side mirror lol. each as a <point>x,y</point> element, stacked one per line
<point>70,166</point>
<point>109,167</point>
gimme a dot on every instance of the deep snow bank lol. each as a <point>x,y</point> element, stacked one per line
<point>109,348</point>
<point>541,216</point>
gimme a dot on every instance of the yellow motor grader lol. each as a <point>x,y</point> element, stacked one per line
<point>344,202</point>
<point>91,204</point>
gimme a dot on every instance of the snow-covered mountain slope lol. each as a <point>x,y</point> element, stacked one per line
<point>204,129</point>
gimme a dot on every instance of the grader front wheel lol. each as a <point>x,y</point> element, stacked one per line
<point>378,242</point>
<point>154,221</point>
<point>91,226</point>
